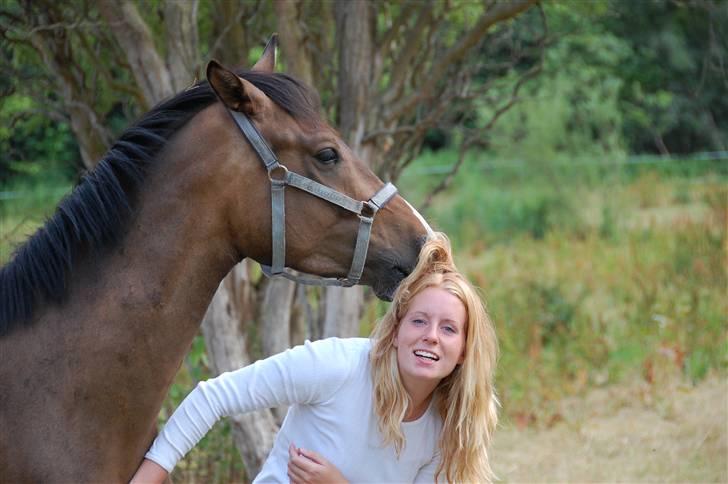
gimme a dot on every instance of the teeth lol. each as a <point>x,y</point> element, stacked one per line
<point>427,354</point>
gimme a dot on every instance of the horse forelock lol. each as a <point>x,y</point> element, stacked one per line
<point>289,93</point>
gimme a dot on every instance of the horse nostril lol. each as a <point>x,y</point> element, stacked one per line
<point>402,273</point>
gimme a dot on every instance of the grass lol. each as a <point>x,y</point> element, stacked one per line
<point>628,432</point>
<point>25,203</point>
<point>591,275</point>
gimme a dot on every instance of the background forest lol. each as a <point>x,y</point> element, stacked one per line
<point>574,151</point>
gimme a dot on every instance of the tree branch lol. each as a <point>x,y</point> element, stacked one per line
<point>135,39</point>
<point>401,66</point>
<point>445,182</point>
<point>476,136</point>
<point>498,13</point>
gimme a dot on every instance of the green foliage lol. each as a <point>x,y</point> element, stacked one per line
<point>572,108</point>
<point>673,80</point>
<point>33,144</point>
<point>614,82</point>
<point>27,200</point>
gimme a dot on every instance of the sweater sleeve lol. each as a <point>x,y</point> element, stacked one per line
<point>307,374</point>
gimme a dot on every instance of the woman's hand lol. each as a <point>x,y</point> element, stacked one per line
<point>149,473</point>
<point>308,467</point>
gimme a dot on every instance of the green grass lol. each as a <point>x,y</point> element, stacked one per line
<point>25,204</point>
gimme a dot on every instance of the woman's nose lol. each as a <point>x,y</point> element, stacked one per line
<point>430,333</point>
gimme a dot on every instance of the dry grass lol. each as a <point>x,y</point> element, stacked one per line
<point>631,432</point>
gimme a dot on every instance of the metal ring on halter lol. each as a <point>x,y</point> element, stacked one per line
<point>368,210</point>
<point>277,168</point>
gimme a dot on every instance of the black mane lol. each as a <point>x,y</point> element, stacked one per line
<point>95,214</point>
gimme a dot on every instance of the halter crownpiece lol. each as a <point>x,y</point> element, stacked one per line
<point>280,177</point>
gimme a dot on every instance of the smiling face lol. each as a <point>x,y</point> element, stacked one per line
<point>430,340</point>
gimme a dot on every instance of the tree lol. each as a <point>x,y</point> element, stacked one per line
<point>673,92</point>
<point>59,37</point>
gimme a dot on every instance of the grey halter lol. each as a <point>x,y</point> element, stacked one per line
<point>280,177</point>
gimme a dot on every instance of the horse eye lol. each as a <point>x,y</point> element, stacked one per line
<point>327,156</point>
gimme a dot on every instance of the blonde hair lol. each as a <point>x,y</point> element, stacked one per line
<point>465,399</point>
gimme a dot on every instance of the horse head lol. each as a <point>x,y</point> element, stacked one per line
<point>320,235</point>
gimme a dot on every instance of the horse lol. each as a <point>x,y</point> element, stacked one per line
<point>100,305</point>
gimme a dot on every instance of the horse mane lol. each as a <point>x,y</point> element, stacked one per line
<point>96,213</point>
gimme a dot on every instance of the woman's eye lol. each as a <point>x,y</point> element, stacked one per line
<point>450,329</point>
<point>327,156</point>
<point>418,321</point>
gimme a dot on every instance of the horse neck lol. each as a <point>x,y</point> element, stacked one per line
<point>177,250</point>
<point>172,260</point>
<point>133,310</point>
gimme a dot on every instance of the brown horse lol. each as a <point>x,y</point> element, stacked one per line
<point>99,307</point>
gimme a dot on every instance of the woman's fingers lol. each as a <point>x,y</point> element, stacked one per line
<point>300,467</point>
<point>296,475</point>
<point>308,466</point>
<point>314,456</point>
<point>303,463</point>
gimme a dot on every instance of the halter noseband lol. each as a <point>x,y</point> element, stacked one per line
<point>280,177</point>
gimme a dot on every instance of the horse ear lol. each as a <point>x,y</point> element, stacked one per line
<point>267,61</point>
<point>236,93</point>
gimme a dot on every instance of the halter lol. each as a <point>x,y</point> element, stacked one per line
<point>280,177</point>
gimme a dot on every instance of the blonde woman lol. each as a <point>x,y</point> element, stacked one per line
<point>413,403</point>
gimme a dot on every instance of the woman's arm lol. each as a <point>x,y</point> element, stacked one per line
<point>305,374</point>
<point>149,473</point>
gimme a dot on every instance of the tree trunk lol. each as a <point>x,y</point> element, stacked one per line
<point>275,315</point>
<point>355,44</point>
<point>229,43</point>
<point>300,320</point>
<point>293,40</point>
<point>274,322</point>
<point>356,51</point>
<point>253,432</point>
<point>343,310</point>
<point>183,61</point>
<point>135,39</point>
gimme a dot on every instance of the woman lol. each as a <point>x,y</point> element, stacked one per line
<point>415,403</point>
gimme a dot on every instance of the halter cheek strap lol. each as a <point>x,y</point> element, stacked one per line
<point>280,178</point>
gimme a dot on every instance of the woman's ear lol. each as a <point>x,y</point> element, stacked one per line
<point>235,92</point>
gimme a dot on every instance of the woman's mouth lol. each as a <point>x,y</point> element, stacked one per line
<point>426,355</point>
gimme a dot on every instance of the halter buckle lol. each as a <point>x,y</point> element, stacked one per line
<point>368,210</point>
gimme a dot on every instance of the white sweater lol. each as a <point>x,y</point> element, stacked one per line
<point>329,389</point>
